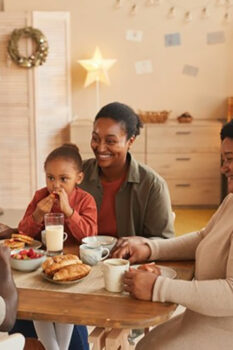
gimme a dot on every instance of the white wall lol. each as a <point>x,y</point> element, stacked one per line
<point>97,22</point>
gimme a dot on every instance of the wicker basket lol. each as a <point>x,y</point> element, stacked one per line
<point>153,117</point>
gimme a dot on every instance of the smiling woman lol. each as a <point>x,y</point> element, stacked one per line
<point>132,200</point>
<point>227,153</point>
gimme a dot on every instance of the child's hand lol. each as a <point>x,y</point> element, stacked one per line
<point>43,207</point>
<point>64,202</point>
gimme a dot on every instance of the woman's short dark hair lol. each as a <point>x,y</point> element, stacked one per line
<point>124,115</point>
<point>227,130</point>
<point>67,151</point>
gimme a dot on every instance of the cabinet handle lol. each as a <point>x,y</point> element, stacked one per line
<point>183,132</point>
<point>183,185</point>
<point>183,158</point>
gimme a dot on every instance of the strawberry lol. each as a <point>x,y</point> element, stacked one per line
<point>23,252</point>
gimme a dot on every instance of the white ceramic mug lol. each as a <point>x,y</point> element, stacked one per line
<point>113,270</point>
<point>43,238</point>
<point>92,255</point>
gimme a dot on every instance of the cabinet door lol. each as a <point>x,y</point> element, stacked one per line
<point>185,165</point>
<point>182,138</point>
<point>195,191</point>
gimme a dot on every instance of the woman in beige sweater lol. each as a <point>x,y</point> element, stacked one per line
<point>207,322</point>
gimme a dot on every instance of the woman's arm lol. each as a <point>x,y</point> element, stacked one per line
<point>208,297</point>
<point>8,292</point>
<point>178,248</point>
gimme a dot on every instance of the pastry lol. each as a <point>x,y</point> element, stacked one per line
<point>47,263</point>
<point>72,272</point>
<point>22,238</point>
<point>151,267</point>
<point>58,262</point>
<point>13,244</point>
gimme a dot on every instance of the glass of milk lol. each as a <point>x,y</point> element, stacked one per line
<point>54,227</point>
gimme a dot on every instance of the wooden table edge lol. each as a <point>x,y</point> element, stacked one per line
<point>92,310</point>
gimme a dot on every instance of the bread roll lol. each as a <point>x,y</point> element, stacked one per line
<point>52,265</point>
<point>72,272</point>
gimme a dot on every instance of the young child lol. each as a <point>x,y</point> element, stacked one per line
<point>63,168</point>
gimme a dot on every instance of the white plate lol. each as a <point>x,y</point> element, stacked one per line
<point>48,278</point>
<point>35,244</point>
<point>165,271</point>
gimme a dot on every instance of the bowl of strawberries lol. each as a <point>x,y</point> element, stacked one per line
<point>27,259</point>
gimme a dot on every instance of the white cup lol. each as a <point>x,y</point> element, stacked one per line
<point>113,270</point>
<point>91,255</point>
<point>54,227</point>
<point>43,238</point>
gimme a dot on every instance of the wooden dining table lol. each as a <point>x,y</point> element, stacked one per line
<point>106,312</point>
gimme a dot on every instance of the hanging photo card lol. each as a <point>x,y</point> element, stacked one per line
<point>190,70</point>
<point>172,39</point>
<point>143,67</point>
<point>134,35</point>
<point>215,38</point>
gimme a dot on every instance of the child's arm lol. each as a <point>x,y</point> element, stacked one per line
<point>33,220</point>
<point>83,221</point>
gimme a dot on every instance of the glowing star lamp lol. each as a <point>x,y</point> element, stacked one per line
<point>97,71</point>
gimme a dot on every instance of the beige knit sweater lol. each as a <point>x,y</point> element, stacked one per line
<point>207,323</point>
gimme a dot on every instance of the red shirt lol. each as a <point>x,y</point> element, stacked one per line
<point>107,214</point>
<point>82,223</point>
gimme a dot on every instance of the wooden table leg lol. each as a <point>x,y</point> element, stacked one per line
<point>117,339</point>
<point>97,338</point>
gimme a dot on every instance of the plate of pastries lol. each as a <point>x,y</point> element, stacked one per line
<point>21,240</point>
<point>64,269</point>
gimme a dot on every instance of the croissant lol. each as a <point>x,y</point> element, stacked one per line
<point>52,265</point>
<point>48,262</point>
<point>72,272</point>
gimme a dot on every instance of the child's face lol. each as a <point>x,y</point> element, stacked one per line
<point>61,173</point>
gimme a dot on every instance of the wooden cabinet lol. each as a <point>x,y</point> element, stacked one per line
<point>35,108</point>
<point>186,155</point>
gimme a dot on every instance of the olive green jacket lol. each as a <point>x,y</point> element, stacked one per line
<point>143,206</point>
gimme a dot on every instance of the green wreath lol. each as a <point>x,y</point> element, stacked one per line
<point>36,58</point>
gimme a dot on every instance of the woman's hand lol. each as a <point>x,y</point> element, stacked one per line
<point>133,248</point>
<point>140,283</point>
<point>64,202</point>
<point>43,207</point>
